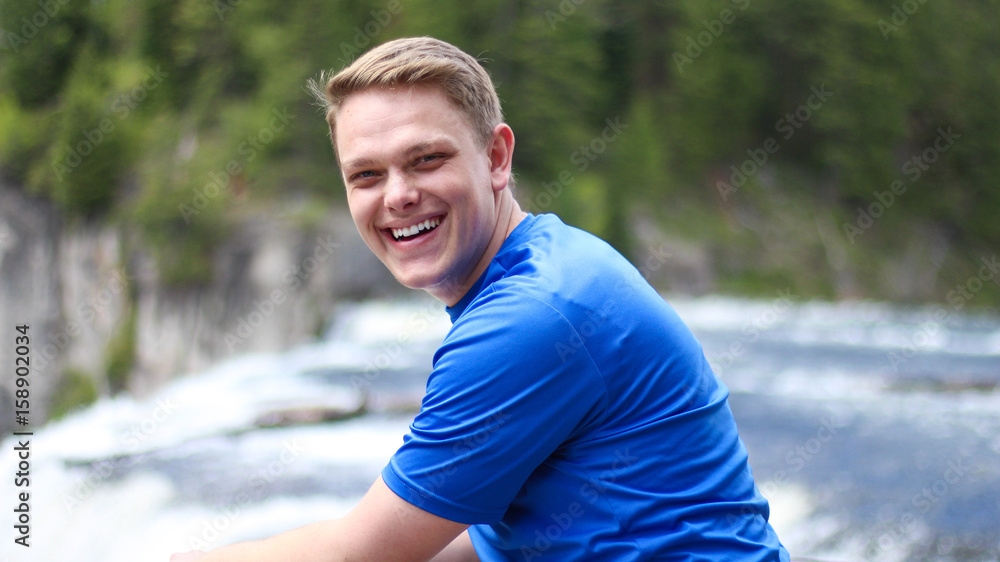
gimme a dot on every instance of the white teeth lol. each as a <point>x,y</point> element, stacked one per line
<point>428,224</point>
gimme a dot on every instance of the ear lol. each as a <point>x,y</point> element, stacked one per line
<point>501,155</point>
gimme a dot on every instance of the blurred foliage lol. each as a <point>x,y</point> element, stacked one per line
<point>75,389</point>
<point>187,109</point>
<point>119,356</point>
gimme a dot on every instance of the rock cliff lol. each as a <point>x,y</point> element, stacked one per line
<point>99,315</point>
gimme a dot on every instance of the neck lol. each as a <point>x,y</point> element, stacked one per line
<point>509,215</point>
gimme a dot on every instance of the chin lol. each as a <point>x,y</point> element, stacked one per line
<point>413,280</point>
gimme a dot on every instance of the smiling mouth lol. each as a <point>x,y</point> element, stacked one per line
<point>414,231</point>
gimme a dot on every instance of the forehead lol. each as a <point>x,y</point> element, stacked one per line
<point>380,121</point>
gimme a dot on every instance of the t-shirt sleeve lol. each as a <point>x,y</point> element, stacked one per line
<point>509,388</point>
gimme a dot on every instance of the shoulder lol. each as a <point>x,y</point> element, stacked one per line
<point>512,313</point>
<point>546,237</point>
<point>515,326</point>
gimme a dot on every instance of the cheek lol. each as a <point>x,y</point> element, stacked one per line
<point>358,222</point>
<point>361,209</point>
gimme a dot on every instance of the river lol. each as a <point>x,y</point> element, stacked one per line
<point>874,431</point>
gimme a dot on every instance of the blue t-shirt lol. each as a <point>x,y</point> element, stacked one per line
<point>571,415</point>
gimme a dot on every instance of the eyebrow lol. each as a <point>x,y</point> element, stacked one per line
<point>427,145</point>
<point>422,146</point>
<point>358,163</point>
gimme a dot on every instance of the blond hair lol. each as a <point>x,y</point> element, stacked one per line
<point>412,61</point>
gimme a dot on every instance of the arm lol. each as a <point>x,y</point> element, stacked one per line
<point>382,526</point>
<point>460,550</point>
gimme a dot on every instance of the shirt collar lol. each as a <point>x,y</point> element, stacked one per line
<point>455,311</point>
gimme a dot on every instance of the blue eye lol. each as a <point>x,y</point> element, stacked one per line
<point>428,158</point>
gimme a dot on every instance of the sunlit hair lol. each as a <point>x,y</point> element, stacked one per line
<point>412,61</point>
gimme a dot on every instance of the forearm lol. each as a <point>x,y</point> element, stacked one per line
<point>313,543</point>
<point>381,527</point>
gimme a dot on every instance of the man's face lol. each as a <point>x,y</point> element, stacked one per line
<point>418,185</point>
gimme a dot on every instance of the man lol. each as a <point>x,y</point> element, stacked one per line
<point>570,415</point>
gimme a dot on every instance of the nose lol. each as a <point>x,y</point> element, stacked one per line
<point>400,193</point>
